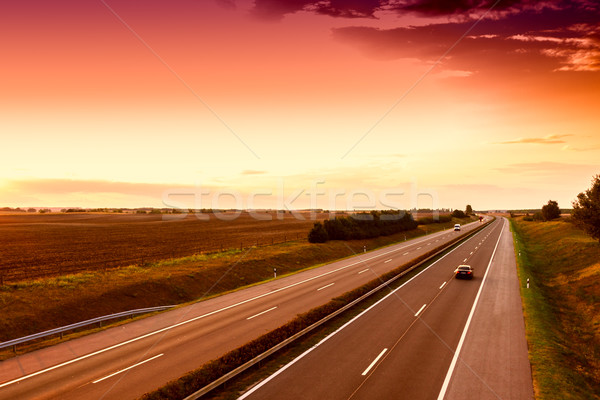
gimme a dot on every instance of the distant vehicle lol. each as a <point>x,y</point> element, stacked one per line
<point>463,272</point>
<point>457,227</point>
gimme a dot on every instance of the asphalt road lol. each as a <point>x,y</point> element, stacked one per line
<point>404,346</point>
<point>127,361</point>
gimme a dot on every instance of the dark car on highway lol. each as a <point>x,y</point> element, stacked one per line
<point>464,272</point>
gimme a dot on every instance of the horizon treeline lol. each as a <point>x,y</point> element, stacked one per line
<point>362,226</point>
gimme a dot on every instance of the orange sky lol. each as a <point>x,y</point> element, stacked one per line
<point>113,104</point>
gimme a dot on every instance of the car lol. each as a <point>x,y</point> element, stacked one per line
<point>457,227</point>
<point>463,271</point>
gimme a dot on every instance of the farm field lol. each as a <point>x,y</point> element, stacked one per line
<point>44,245</point>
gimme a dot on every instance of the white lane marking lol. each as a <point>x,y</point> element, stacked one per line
<point>464,333</point>
<point>74,360</point>
<point>387,261</point>
<point>428,244</point>
<point>301,356</point>
<point>326,286</point>
<point>127,369</point>
<point>438,240</point>
<point>261,313</point>
<point>465,260</point>
<point>471,253</point>
<point>443,284</point>
<point>418,248</point>
<point>366,371</point>
<point>420,309</point>
<point>364,270</point>
<point>406,253</point>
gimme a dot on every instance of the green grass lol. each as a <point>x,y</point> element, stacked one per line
<point>560,307</point>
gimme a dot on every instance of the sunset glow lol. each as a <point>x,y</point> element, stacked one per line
<point>115,103</point>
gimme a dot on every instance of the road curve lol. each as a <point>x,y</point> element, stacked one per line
<point>127,361</point>
<point>404,345</point>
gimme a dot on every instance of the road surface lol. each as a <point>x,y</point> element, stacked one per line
<point>404,346</point>
<point>127,361</point>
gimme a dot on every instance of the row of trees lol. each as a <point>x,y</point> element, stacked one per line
<point>586,210</point>
<point>362,226</point>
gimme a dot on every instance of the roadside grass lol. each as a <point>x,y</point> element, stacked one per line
<point>561,307</point>
<point>29,307</point>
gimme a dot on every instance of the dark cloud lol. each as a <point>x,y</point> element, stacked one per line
<point>276,9</point>
<point>549,39</point>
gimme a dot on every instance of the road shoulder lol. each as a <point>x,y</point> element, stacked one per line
<point>494,363</point>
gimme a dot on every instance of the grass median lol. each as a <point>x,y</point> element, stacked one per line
<point>561,311</point>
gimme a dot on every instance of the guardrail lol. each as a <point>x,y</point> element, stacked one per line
<point>249,364</point>
<point>98,320</point>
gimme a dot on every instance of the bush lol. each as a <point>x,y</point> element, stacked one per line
<point>586,209</point>
<point>431,220</point>
<point>551,211</point>
<point>318,234</point>
<point>459,214</point>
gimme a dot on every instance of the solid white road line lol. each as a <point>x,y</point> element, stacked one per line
<point>420,309</point>
<point>326,286</point>
<point>301,356</point>
<point>261,313</point>
<point>464,333</point>
<point>443,284</point>
<point>366,371</point>
<point>387,261</point>
<point>127,369</point>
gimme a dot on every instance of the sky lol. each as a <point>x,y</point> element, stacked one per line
<point>335,104</point>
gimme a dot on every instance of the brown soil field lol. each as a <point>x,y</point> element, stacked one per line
<point>42,245</point>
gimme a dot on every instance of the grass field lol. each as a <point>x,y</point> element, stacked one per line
<point>42,245</point>
<point>561,307</point>
<point>71,298</point>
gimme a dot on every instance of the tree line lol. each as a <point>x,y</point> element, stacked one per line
<point>585,214</point>
<point>362,226</point>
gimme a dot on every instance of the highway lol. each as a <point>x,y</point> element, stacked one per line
<point>127,361</point>
<point>435,337</point>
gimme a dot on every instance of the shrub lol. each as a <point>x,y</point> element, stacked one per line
<point>318,234</point>
<point>459,214</point>
<point>586,209</point>
<point>550,211</point>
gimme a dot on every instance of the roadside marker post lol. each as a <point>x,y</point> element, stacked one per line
<point>527,283</point>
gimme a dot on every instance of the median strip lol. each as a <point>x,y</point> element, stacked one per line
<point>213,375</point>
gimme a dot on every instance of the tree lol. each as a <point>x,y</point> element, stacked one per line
<point>318,234</point>
<point>586,209</point>
<point>469,210</point>
<point>550,211</point>
<point>458,214</point>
